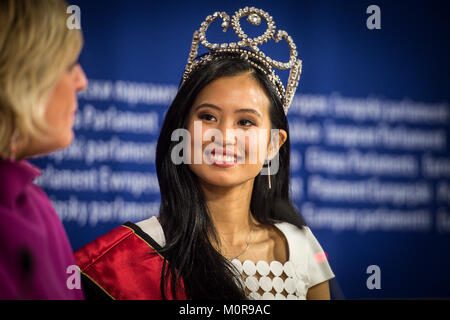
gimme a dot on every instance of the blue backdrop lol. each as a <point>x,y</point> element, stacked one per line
<point>369,130</point>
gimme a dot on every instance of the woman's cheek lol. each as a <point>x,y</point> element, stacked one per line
<point>197,145</point>
<point>260,142</point>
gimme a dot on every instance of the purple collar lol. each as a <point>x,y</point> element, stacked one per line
<point>14,177</point>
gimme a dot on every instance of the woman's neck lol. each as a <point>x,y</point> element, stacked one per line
<point>230,211</point>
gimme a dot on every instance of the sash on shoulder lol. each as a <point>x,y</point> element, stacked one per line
<point>124,264</point>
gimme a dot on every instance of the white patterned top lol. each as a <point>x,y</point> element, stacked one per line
<point>307,265</point>
<point>273,281</point>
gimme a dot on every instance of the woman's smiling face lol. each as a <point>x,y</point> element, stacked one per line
<point>239,104</point>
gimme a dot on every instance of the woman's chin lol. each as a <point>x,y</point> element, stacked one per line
<point>66,140</point>
<point>223,181</point>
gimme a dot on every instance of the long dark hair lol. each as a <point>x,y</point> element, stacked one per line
<point>184,216</point>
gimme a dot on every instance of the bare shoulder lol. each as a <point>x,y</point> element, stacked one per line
<point>320,291</point>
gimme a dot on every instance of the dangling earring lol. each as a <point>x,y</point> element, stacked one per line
<point>268,176</point>
<point>13,148</point>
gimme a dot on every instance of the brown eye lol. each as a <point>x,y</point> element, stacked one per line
<point>246,123</point>
<point>206,116</point>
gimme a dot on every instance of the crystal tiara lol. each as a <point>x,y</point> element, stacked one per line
<point>252,54</point>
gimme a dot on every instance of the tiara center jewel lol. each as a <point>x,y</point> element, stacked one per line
<point>254,19</point>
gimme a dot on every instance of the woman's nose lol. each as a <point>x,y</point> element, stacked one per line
<point>228,136</point>
<point>81,81</point>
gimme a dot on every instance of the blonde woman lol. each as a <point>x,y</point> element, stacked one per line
<point>39,79</point>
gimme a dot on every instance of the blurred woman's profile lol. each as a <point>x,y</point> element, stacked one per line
<point>39,79</point>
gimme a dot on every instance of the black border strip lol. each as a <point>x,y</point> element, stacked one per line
<point>92,291</point>
<point>150,241</point>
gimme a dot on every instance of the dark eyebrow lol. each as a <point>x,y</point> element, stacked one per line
<point>237,111</point>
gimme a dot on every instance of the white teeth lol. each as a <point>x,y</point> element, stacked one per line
<point>222,158</point>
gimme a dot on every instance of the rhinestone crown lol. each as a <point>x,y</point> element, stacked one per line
<point>253,54</point>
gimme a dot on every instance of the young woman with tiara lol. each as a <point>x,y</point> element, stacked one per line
<point>227,228</point>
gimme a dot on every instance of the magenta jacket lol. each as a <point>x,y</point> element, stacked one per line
<point>35,253</point>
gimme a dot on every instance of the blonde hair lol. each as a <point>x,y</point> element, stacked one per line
<point>36,47</point>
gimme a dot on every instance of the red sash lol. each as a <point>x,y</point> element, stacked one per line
<point>123,264</point>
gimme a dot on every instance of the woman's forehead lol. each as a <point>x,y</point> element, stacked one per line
<point>235,92</point>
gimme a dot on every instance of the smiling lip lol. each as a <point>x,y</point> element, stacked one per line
<point>223,153</point>
<point>223,164</point>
